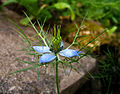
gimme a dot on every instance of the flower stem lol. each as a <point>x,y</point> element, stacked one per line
<point>36,30</point>
<point>76,35</point>
<point>57,80</point>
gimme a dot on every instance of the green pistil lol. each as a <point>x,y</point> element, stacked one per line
<point>56,41</point>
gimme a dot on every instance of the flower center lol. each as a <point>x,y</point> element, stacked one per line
<point>56,41</point>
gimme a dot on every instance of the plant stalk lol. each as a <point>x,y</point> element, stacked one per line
<point>57,80</point>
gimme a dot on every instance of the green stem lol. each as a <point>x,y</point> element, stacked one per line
<point>76,35</point>
<point>36,30</point>
<point>57,80</point>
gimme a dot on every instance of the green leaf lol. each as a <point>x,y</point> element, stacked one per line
<point>37,30</point>
<point>63,5</point>
<point>113,29</point>
<point>9,2</point>
<point>25,21</point>
<point>24,69</point>
<point>24,2</point>
<point>32,62</point>
<point>115,20</point>
<point>44,14</point>
<point>21,32</point>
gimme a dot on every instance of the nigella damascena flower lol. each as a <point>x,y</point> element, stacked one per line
<point>49,55</point>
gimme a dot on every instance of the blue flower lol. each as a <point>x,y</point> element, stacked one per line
<point>49,55</point>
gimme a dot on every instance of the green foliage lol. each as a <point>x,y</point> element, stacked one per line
<point>102,10</point>
<point>25,21</point>
<point>62,5</point>
<point>113,29</point>
<point>41,9</point>
<point>105,11</point>
<point>9,2</point>
<point>109,68</point>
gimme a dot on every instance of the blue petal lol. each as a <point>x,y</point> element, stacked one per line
<point>45,58</point>
<point>69,53</point>
<point>61,44</point>
<point>41,49</point>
